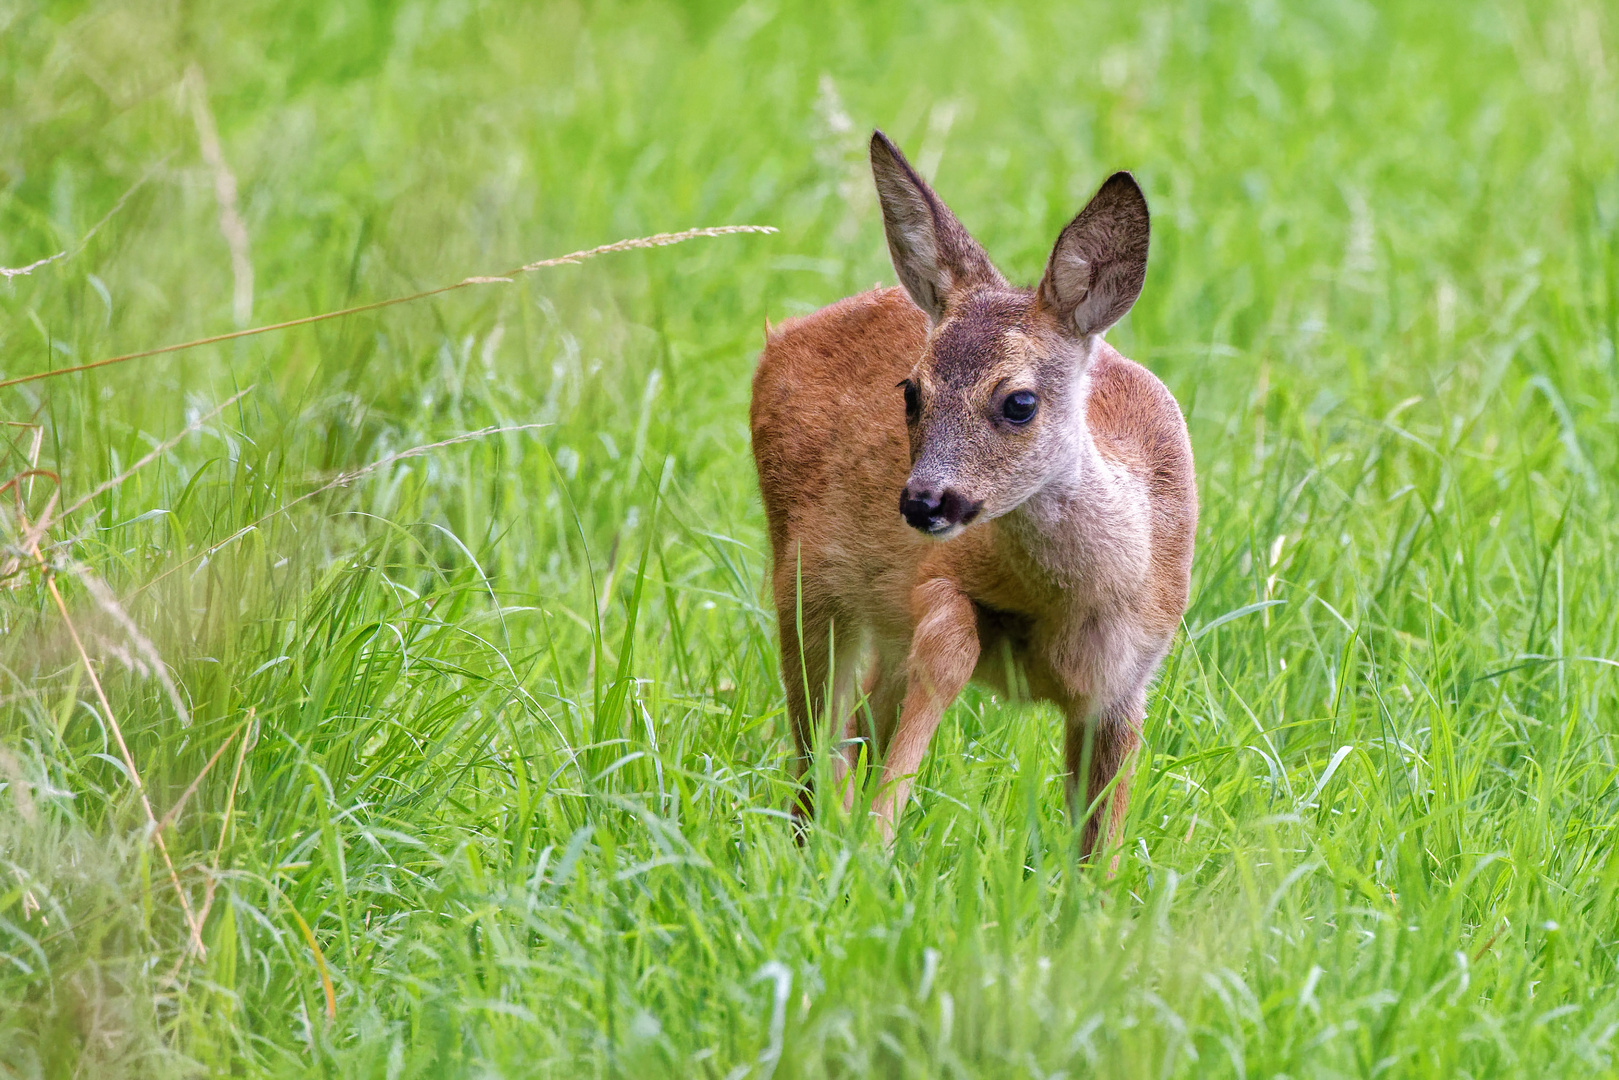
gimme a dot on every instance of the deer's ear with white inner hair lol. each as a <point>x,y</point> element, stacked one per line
<point>933,255</point>
<point>1100,261</point>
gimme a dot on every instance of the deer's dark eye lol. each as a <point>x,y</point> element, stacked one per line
<point>1018,408</point>
<point>913,402</point>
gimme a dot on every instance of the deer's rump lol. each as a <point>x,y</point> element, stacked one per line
<point>828,422</point>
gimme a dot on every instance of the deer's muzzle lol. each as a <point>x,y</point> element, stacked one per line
<point>933,509</point>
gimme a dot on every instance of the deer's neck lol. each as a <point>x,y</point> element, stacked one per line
<point>1086,531</point>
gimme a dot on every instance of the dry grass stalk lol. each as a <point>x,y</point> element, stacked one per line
<point>210,883</point>
<point>29,536</point>
<point>123,748</point>
<point>191,789</point>
<point>658,240</point>
<point>108,603</point>
<point>32,469</point>
<point>230,218</point>
<point>20,271</point>
<point>653,241</point>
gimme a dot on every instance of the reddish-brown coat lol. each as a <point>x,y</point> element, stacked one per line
<point>1043,540</point>
<point>831,445</point>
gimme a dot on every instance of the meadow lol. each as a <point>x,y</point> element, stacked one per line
<point>437,635</point>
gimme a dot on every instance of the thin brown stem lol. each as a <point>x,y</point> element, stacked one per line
<point>179,805</point>
<point>658,240</point>
<point>123,749</point>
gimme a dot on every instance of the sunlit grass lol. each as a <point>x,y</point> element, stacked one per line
<point>515,752</point>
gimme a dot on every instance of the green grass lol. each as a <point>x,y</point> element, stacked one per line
<point>517,753</point>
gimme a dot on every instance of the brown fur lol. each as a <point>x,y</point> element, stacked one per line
<point>1080,580</point>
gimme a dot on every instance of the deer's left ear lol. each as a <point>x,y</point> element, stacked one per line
<point>1100,261</point>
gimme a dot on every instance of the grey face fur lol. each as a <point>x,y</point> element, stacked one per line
<point>974,455</point>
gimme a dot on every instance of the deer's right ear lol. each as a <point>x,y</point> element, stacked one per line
<point>933,255</point>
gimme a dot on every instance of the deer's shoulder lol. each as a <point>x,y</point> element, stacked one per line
<point>1136,421</point>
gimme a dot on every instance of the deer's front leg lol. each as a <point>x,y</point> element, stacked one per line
<point>944,651</point>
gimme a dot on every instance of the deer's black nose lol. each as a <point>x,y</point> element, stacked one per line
<point>933,509</point>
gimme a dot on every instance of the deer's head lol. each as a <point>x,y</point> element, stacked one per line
<point>996,403</point>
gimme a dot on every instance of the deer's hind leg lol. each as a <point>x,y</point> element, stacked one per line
<point>820,655</point>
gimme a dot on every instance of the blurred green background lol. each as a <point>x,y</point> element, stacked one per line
<point>501,755</point>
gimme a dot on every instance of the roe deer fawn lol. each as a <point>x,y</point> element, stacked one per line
<point>963,480</point>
